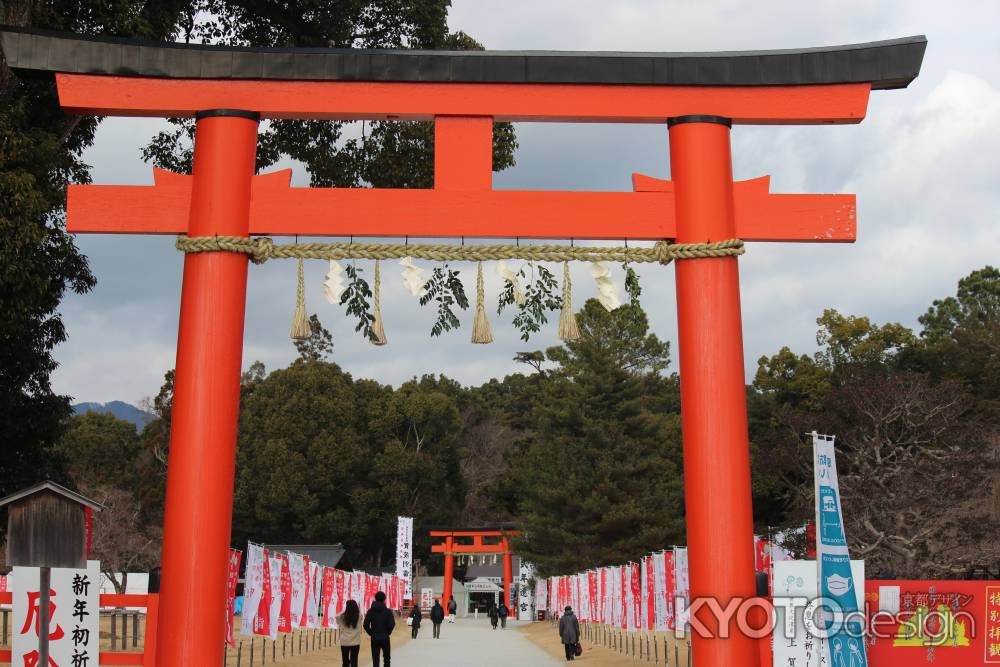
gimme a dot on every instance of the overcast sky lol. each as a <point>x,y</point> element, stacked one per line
<point>924,165</point>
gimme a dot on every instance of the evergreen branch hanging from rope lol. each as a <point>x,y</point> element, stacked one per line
<point>357,297</point>
<point>446,290</point>
<point>540,296</point>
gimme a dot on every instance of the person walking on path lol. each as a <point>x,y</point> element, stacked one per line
<point>503,612</point>
<point>452,609</point>
<point>569,632</point>
<point>350,633</point>
<point>437,617</point>
<point>494,615</point>
<point>379,624</point>
<point>415,617</point>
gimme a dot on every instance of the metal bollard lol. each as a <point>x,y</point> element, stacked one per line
<point>239,654</point>
<point>251,651</point>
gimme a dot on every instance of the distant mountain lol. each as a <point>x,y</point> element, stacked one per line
<point>119,409</point>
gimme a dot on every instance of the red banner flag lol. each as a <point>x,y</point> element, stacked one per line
<point>671,577</point>
<point>650,594</point>
<point>232,578</point>
<point>285,615</point>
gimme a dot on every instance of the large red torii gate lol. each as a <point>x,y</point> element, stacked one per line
<point>698,96</point>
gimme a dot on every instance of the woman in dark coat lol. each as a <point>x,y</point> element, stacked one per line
<point>415,617</point>
<point>569,633</point>
<point>503,613</point>
<point>494,615</point>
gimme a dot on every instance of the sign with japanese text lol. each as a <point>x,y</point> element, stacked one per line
<point>404,553</point>
<point>795,586</point>
<point>837,586</point>
<point>940,623</point>
<point>525,599</point>
<point>74,616</point>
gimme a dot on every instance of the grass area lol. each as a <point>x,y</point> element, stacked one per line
<point>610,647</point>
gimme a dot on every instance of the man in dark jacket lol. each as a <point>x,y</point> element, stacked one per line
<point>437,618</point>
<point>503,612</point>
<point>379,624</point>
<point>569,633</point>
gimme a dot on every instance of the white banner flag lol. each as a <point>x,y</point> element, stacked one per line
<point>276,597</point>
<point>315,593</point>
<point>660,592</point>
<point>296,565</point>
<point>837,584</point>
<point>253,589</point>
<point>541,595</point>
<point>404,552</point>
<point>525,600</point>
<point>683,585</point>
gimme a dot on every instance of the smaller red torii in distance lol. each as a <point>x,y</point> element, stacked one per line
<point>451,548</point>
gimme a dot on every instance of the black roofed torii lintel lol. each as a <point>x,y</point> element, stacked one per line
<point>885,64</point>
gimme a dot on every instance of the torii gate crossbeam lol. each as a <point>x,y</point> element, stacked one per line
<point>699,96</point>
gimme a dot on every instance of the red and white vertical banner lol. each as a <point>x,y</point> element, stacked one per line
<point>297,568</point>
<point>315,594</point>
<point>327,607</point>
<point>542,594</point>
<point>660,592</point>
<point>682,587</point>
<point>285,618</point>
<point>605,607</point>
<point>404,553</point>
<point>636,582</point>
<point>671,589</point>
<point>630,604</point>
<point>583,588</point>
<point>277,594</point>
<point>649,588</point>
<point>340,591</point>
<point>256,605</point>
<point>3,583</point>
<point>232,579</point>
<point>593,591</point>
<point>74,608</point>
<point>623,578</point>
<point>307,577</point>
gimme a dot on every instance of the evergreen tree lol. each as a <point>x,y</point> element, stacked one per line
<point>598,479</point>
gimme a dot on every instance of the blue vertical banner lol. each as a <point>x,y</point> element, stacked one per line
<point>844,624</point>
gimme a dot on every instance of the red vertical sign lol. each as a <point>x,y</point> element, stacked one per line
<point>636,581</point>
<point>671,586</point>
<point>650,594</point>
<point>232,579</point>
<point>992,625</point>
<point>285,615</point>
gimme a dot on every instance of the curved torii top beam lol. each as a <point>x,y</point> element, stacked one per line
<point>97,75</point>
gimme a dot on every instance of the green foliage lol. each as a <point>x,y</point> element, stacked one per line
<point>41,152</point>
<point>597,472</point>
<point>99,450</point>
<point>445,289</point>
<point>356,296</point>
<point>539,297</point>
<point>319,345</point>
<point>325,458</point>
<point>632,286</point>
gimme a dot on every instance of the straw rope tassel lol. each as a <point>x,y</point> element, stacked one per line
<point>481,332</point>
<point>378,331</point>
<point>568,329</point>
<point>300,321</point>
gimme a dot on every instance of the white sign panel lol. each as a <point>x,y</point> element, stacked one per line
<point>404,553</point>
<point>525,600</point>
<point>74,605</point>
<point>795,585</point>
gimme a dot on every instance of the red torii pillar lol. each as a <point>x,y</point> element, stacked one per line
<point>224,198</point>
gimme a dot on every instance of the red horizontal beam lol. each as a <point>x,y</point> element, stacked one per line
<point>279,210</point>
<point>473,533</point>
<point>345,100</point>
<point>468,549</point>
